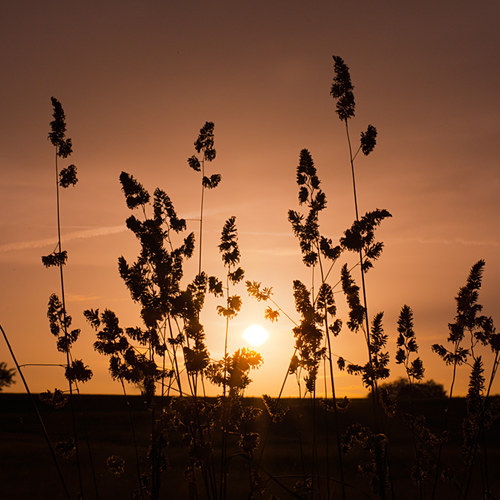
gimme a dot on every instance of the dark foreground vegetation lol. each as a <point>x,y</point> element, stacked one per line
<point>28,472</point>
<point>407,440</point>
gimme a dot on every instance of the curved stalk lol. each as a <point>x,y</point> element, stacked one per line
<point>38,415</point>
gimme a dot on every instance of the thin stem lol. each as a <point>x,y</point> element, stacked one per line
<point>351,159</point>
<point>226,337</point>
<point>42,364</point>
<point>266,436</point>
<point>65,328</point>
<point>373,380</point>
<point>37,412</point>
<point>175,357</point>
<point>480,429</point>
<point>287,374</point>
<point>134,439</point>
<point>327,433</point>
<point>334,397</point>
<point>445,424</point>
<point>284,312</point>
<point>163,358</point>
<point>363,284</point>
<point>224,404</point>
<point>314,461</point>
<point>155,455</point>
<point>201,210</point>
<point>89,449</point>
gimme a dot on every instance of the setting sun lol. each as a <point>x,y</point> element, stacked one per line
<point>256,335</point>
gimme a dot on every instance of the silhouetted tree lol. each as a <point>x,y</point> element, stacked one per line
<point>401,389</point>
<point>6,375</point>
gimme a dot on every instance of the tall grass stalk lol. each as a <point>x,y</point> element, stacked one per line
<point>170,315</point>
<point>478,432</point>
<point>314,248</point>
<point>478,329</point>
<point>204,145</point>
<point>265,294</point>
<point>334,396</point>
<point>230,252</point>
<point>57,311</point>
<point>363,284</point>
<point>342,93</point>
<point>169,346</point>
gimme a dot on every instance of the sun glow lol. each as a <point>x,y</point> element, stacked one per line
<point>255,335</point>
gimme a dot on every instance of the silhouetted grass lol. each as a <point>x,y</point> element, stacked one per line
<point>27,472</point>
<point>174,442</point>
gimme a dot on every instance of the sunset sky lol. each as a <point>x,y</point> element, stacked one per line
<point>137,80</point>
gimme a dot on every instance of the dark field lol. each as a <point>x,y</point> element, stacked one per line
<point>27,470</point>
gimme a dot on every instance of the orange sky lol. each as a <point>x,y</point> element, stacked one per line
<point>137,80</point>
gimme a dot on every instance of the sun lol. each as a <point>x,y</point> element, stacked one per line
<point>255,335</point>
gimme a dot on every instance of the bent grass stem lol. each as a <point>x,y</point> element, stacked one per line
<point>38,415</point>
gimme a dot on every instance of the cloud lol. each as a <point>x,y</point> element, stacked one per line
<point>76,235</point>
<point>76,297</point>
<point>276,252</point>
<point>449,241</point>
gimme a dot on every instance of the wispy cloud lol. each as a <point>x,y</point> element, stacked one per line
<point>276,252</point>
<point>449,241</point>
<point>279,234</point>
<point>76,297</point>
<point>75,235</point>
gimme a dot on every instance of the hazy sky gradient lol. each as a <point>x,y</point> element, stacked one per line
<point>137,80</point>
